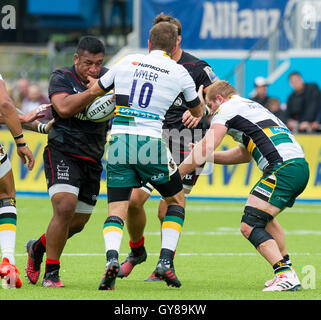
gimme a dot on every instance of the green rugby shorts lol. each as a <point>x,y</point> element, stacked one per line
<point>284,183</point>
<point>134,160</point>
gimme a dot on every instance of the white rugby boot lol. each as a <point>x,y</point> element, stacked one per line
<point>287,281</point>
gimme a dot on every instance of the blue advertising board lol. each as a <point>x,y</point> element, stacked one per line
<point>217,24</point>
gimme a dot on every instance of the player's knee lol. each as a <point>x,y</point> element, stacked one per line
<point>245,230</point>
<point>65,210</point>
<point>253,225</point>
<point>135,204</point>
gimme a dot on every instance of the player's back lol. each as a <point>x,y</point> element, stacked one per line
<point>263,134</point>
<point>146,86</point>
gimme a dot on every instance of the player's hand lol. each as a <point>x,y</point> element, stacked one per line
<point>35,114</point>
<point>49,125</point>
<point>189,121</point>
<point>91,81</point>
<point>26,156</point>
<point>191,146</point>
<point>200,94</point>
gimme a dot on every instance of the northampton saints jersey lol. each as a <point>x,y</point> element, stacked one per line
<point>264,135</point>
<point>145,87</point>
<point>76,135</point>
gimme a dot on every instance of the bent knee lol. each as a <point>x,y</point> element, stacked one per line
<point>246,230</point>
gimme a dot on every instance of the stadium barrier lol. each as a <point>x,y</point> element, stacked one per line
<point>217,182</point>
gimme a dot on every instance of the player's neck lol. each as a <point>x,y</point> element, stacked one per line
<point>177,54</point>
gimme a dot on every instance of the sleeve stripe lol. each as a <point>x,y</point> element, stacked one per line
<point>105,89</point>
<point>194,103</point>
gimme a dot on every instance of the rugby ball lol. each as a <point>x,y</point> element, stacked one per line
<point>101,109</point>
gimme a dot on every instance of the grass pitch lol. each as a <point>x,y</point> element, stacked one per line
<point>213,260</point>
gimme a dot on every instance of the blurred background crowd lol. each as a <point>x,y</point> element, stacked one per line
<point>46,34</point>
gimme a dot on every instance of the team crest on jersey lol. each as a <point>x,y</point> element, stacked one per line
<point>178,102</point>
<point>209,71</point>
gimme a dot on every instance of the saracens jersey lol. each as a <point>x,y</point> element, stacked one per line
<point>145,87</point>
<point>76,135</point>
<point>264,135</point>
<point>202,74</point>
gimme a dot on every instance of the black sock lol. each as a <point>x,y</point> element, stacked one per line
<point>166,256</point>
<point>38,249</point>
<point>281,267</point>
<point>287,259</point>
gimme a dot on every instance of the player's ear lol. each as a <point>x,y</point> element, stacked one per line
<point>76,58</point>
<point>149,46</point>
<point>179,40</point>
<point>174,49</point>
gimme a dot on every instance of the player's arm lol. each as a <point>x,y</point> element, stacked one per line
<point>67,105</point>
<point>204,149</point>
<point>8,111</point>
<point>191,121</point>
<point>195,105</point>
<point>235,155</point>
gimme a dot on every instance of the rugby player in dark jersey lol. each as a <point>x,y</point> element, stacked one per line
<point>72,159</point>
<point>179,129</point>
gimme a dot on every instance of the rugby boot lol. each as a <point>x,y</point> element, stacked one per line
<point>130,262</point>
<point>109,278</point>
<point>52,280</point>
<point>287,281</point>
<point>33,263</point>
<point>167,273</point>
<point>9,275</point>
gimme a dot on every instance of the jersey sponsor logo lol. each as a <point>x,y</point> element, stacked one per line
<point>210,73</point>
<point>128,112</point>
<point>150,66</point>
<point>276,130</point>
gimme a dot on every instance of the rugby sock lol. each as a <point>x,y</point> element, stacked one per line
<point>52,265</point>
<point>8,222</point>
<point>137,247</point>
<point>113,233</point>
<point>288,260</point>
<point>39,247</point>
<point>281,267</point>
<point>171,227</point>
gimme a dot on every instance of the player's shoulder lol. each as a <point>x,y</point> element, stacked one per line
<point>60,73</point>
<point>191,61</point>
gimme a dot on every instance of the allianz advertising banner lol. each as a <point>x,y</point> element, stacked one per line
<point>215,24</point>
<point>220,181</point>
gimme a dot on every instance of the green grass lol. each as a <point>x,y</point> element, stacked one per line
<point>213,260</point>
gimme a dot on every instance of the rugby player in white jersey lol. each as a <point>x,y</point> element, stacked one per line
<point>179,129</point>
<point>8,213</point>
<point>263,137</point>
<point>145,87</point>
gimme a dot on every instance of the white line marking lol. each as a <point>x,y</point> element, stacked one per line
<point>184,254</point>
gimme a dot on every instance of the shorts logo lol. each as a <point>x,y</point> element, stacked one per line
<point>62,171</point>
<point>158,177</point>
<point>188,177</point>
<point>262,191</point>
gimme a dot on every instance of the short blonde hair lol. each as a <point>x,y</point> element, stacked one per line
<point>220,87</point>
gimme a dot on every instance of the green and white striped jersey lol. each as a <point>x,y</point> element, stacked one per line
<point>263,134</point>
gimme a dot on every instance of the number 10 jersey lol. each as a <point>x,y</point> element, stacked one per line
<point>145,87</point>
